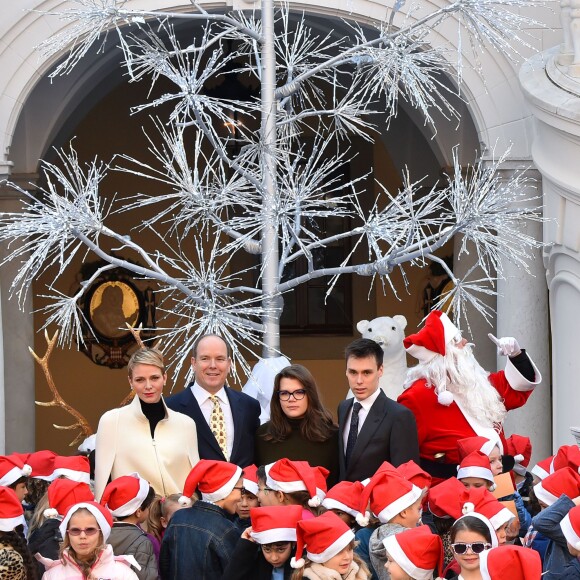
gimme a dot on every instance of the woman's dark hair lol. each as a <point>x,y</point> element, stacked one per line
<point>16,540</point>
<point>317,424</point>
<point>471,524</point>
<point>146,503</point>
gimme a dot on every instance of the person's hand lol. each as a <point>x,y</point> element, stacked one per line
<point>507,345</point>
<point>576,500</point>
<point>246,534</point>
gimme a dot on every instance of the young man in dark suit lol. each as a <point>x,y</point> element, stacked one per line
<point>373,428</point>
<point>226,419</point>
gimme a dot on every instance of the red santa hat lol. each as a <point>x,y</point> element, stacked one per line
<point>214,479</point>
<point>250,481</point>
<point>101,514</point>
<point>275,523</point>
<point>490,507</point>
<point>62,493</point>
<point>513,562</point>
<point>417,551</point>
<point>570,525</point>
<point>291,476</point>
<point>323,537</point>
<point>413,473</point>
<point>11,510</point>
<point>520,448</point>
<point>543,468</point>
<point>437,332</point>
<point>564,481</point>
<point>389,494</point>
<point>125,495</point>
<point>567,456</point>
<point>12,468</point>
<point>470,444</point>
<point>42,464</point>
<point>444,499</point>
<point>476,464</point>
<point>345,496</point>
<point>75,467</point>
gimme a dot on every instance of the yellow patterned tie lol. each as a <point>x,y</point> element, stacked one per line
<point>217,424</point>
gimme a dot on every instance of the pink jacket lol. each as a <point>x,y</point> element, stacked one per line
<point>107,566</point>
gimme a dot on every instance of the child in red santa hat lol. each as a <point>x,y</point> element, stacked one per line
<point>570,526</point>
<point>129,499</point>
<point>344,500</point>
<point>329,546</point>
<point>249,497</point>
<point>513,562</point>
<point>475,471</point>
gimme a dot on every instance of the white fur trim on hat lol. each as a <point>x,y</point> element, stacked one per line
<point>501,518</point>
<point>284,486</point>
<point>543,495</point>
<point>492,442</point>
<point>251,486</point>
<point>398,555</point>
<point>422,354</point>
<point>475,471</point>
<point>332,550</point>
<point>11,476</point>
<point>225,490</point>
<point>275,535</point>
<point>539,472</point>
<point>8,524</point>
<point>517,381</point>
<point>485,575</point>
<point>569,532</point>
<point>73,475</point>
<point>489,525</point>
<point>133,505</point>
<point>333,504</point>
<point>400,504</point>
<point>103,523</point>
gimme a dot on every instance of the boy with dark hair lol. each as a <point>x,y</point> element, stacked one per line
<point>129,498</point>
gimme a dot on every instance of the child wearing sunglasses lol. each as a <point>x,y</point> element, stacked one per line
<point>85,553</point>
<point>470,536</point>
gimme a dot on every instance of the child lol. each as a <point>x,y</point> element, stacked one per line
<point>200,539</point>
<point>471,535</point>
<point>265,548</point>
<point>513,562</point>
<point>570,526</point>
<point>288,482</point>
<point>414,554</point>
<point>160,514</point>
<point>61,495</point>
<point>14,474</point>
<point>558,493</point>
<point>413,473</point>
<point>344,500</point>
<point>397,504</point>
<point>489,447</point>
<point>249,498</point>
<point>129,498</point>
<point>475,471</point>
<point>329,544</point>
<point>15,559</point>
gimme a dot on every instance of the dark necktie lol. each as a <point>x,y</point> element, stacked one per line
<point>353,433</point>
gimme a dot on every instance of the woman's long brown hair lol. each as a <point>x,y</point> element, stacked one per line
<point>317,424</point>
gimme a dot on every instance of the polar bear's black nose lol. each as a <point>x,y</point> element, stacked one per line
<point>370,329</point>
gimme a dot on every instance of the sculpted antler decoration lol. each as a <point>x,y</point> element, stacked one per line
<point>57,401</point>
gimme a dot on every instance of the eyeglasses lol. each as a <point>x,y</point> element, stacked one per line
<point>298,394</point>
<point>476,547</point>
<point>264,490</point>
<point>79,531</point>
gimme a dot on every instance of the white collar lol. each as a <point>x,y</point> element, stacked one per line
<point>202,395</point>
<point>368,402</point>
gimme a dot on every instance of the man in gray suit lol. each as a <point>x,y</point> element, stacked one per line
<point>373,428</point>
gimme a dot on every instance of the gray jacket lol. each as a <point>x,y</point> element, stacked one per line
<point>377,549</point>
<point>131,540</point>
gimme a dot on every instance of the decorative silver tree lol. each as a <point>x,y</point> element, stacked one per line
<point>262,192</point>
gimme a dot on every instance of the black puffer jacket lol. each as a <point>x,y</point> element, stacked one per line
<point>46,541</point>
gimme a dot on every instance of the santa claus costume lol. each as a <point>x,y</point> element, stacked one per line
<point>452,397</point>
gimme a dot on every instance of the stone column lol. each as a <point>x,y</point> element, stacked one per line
<point>17,388</point>
<point>522,312</point>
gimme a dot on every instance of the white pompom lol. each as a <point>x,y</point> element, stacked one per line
<point>184,501</point>
<point>26,470</point>
<point>297,563</point>
<point>445,398</point>
<point>314,501</point>
<point>50,513</point>
<point>493,487</point>
<point>363,519</point>
<point>518,458</point>
<point>467,508</point>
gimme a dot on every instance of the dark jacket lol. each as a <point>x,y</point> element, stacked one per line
<point>389,433</point>
<point>131,540</point>
<point>248,563</point>
<point>45,541</point>
<point>246,415</point>
<point>198,543</point>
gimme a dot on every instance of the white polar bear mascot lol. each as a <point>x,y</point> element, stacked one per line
<point>389,333</point>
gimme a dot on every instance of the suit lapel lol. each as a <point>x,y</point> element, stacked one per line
<point>343,411</point>
<point>237,417</point>
<point>374,418</point>
<point>203,431</point>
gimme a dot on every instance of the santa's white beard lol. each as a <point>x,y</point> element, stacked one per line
<point>462,375</point>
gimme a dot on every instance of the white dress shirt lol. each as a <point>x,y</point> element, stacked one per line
<point>362,414</point>
<point>203,400</point>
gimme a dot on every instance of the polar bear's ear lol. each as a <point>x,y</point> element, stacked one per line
<point>363,325</point>
<point>401,321</point>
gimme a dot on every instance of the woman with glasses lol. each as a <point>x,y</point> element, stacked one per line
<point>470,536</point>
<point>84,552</point>
<point>300,427</point>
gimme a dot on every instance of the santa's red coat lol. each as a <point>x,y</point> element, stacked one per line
<point>440,427</point>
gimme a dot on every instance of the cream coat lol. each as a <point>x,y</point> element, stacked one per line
<point>124,445</point>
